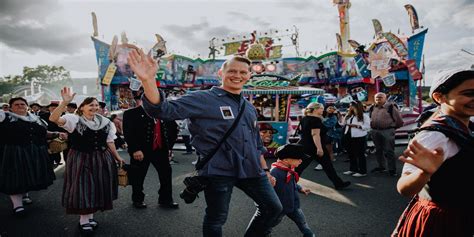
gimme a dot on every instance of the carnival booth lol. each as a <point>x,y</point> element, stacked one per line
<point>275,97</point>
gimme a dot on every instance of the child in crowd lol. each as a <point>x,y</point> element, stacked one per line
<point>289,157</point>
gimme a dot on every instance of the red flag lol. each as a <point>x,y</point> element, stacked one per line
<point>413,70</point>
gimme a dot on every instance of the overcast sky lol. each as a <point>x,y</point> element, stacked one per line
<point>57,32</point>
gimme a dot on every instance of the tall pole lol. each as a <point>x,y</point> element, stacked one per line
<point>343,9</point>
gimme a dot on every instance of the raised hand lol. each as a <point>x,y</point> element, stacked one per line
<point>144,66</point>
<point>67,94</point>
<point>427,160</point>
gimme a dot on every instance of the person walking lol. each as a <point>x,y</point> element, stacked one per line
<point>314,135</point>
<point>90,178</point>
<point>24,160</point>
<point>438,163</point>
<point>356,126</point>
<point>287,188</point>
<point>147,144</point>
<point>384,119</point>
<point>238,162</point>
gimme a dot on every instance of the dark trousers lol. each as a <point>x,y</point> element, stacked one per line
<point>356,151</point>
<point>138,170</point>
<point>325,162</point>
<point>218,194</point>
<point>187,143</point>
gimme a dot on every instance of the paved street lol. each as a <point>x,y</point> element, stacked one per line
<point>370,207</point>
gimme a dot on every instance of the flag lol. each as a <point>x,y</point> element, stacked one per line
<point>377,27</point>
<point>413,17</point>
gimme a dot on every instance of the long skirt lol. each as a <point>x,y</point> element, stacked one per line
<point>90,182</point>
<point>24,168</point>
<point>428,219</point>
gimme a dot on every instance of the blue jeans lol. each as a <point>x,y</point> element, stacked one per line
<point>218,194</point>
<point>298,217</point>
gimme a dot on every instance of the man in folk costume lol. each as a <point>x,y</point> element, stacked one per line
<point>147,141</point>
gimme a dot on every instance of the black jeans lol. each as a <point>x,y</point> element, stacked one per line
<point>138,170</point>
<point>356,153</point>
<point>325,162</point>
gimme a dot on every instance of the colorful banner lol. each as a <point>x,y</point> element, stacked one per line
<point>354,44</point>
<point>362,66</point>
<point>413,70</point>
<point>273,135</point>
<point>413,17</point>
<point>415,46</point>
<point>240,47</point>
<point>396,44</point>
<point>377,27</point>
<point>102,56</point>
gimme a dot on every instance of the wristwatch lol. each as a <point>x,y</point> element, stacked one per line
<point>266,170</point>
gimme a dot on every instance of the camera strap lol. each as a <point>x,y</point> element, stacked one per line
<point>206,159</point>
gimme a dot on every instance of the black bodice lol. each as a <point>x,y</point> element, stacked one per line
<point>90,140</point>
<point>21,132</point>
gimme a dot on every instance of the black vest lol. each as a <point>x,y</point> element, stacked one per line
<point>22,132</point>
<point>451,184</point>
<point>90,140</point>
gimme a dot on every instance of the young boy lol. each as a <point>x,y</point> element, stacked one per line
<point>289,157</point>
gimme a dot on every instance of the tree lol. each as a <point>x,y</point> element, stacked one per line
<point>44,74</point>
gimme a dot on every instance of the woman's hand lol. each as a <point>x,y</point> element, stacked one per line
<point>271,179</point>
<point>119,160</point>
<point>425,159</point>
<point>320,152</point>
<point>144,66</point>
<point>67,94</point>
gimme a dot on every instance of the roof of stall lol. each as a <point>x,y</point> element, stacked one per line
<point>287,90</point>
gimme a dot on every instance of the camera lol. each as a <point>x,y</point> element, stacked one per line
<point>194,185</point>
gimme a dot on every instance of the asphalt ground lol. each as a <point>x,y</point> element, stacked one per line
<point>369,207</point>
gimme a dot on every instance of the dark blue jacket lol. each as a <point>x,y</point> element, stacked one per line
<point>287,192</point>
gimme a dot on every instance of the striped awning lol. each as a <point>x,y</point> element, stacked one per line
<point>287,90</point>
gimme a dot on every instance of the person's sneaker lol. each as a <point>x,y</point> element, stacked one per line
<point>27,200</point>
<point>349,173</point>
<point>19,211</point>
<point>318,167</point>
<point>392,173</point>
<point>378,170</point>
<point>194,162</point>
<point>93,223</point>
<point>359,175</point>
<point>343,185</point>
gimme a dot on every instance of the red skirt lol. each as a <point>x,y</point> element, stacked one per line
<point>426,218</point>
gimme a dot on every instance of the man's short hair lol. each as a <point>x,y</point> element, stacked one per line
<point>238,59</point>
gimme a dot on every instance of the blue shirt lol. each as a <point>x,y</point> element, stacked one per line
<point>211,113</point>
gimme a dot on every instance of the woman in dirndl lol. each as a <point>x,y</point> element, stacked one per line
<point>438,163</point>
<point>24,161</point>
<point>90,179</point>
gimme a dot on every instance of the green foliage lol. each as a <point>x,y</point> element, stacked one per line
<point>45,74</point>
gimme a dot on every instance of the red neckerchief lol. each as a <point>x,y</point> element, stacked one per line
<point>282,166</point>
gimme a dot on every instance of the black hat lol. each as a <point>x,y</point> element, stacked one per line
<point>31,105</point>
<point>72,104</point>
<point>290,151</point>
<point>102,104</point>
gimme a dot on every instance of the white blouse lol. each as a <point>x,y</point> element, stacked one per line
<point>432,140</point>
<point>73,119</point>
<point>357,132</point>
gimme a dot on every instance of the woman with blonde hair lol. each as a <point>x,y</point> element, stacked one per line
<point>313,138</point>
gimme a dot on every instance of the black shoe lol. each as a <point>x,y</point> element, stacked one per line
<point>343,185</point>
<point>86,229</point>
<point>93,223</point>
<point>19,211</point>
<point>139,205</point>
<point>171,204</point>
<point>27,200</point>
<point>378,170</point>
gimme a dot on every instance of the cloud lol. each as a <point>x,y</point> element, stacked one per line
<point>24,26</point>
<point>257,21</point>
<point>82,62</point>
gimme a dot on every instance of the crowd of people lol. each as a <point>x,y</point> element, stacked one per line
<point>220,125</point>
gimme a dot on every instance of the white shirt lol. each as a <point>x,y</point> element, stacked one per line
<point>357,132</point>
<point>73,119</point>
<point>432,140</point>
